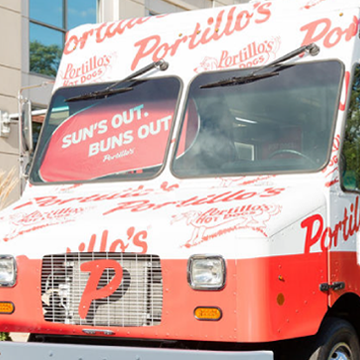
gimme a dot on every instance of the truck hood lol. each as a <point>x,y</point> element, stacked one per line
<point>234,218</point>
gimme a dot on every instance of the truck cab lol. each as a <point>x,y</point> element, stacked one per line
<point>194,191</point>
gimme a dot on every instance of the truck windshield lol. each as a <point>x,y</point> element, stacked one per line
<point>124,135</point>
<point>271,124</point>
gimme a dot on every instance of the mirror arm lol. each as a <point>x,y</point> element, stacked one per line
<point>25,133</point>
<point>25,122</point>
<point>6,120</point>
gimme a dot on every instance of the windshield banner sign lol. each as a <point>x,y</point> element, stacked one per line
<point>107,139</point>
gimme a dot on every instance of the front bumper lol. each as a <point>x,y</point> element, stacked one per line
<point>35,351</point>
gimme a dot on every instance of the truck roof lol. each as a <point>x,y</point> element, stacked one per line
<point>237,36</point>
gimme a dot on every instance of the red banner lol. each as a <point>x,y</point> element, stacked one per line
<point>108,138</point>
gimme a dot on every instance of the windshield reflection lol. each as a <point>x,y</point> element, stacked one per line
<point>272,125</point>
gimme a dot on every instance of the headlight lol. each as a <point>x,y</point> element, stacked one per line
<point>7,270</point>
<point>206,272</point>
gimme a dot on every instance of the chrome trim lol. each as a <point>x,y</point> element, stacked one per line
<point>137,301</point>
<point>206,256</point>
<point>12,284</point>
<point>98,331</point>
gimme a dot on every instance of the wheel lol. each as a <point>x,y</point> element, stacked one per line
<point>336,340</point>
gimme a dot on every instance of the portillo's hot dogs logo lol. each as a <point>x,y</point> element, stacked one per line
<point>223,24</point>
<point>253,54</point>
<point>25,222</point>
<point>91,70</point>
<point>216,222</point>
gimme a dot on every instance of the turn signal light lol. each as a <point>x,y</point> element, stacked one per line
<point>208,313</point>
<point>6,307</point>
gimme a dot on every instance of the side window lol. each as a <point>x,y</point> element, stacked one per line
<point>350,157</point>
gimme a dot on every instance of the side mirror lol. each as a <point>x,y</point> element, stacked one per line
<point>26,135</point>
<point>5,122</point>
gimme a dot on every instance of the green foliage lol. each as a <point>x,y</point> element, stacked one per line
<point>44,59</point>
<point>351,149</point>
<point>5,336</point>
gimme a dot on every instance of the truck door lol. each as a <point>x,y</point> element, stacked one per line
<point>344,270</point>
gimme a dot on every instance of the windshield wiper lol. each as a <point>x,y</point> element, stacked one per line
<point>238,80</point>
<point>161,65</point>
<point>311,49</point>
<point>98,94</point>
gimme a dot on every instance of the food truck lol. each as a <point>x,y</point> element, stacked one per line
<point>194,191</point>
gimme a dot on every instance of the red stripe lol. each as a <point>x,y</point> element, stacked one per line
<point>264,299</point>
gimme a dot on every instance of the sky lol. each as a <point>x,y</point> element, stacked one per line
<point>52,13</point>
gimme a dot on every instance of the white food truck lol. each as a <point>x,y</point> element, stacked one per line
<point>194,192</point>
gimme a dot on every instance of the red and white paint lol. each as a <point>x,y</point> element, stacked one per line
<point>331,172</point>
<point>279,234</point>
<point>254,54</point>
<point>93,69</point>
<point>214,222</point>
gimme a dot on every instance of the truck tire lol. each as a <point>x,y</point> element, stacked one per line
<point>336,340</point>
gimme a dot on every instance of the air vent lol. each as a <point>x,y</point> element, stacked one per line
<point>102,289</point>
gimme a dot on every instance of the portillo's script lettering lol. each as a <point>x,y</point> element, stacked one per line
<point>253,54</point>
<point>136,240</point>
<point>327,237</point>
<point>154,46</point>
<point>143,205</point>
<point>323,29</point>
<point>90,70</point>
<point>311,4</point>
<point>49,201</point>
<point>230,21</point>
<point>104,31</point>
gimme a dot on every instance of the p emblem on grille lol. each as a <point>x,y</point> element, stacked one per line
<point>102,289</point>
<point>99,285</point>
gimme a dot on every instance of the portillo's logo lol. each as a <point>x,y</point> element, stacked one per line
<point>325,33</point>
<point>35,220</point>
<point>254,54</point>
<point>99,274</point>
<point>216,222</point>
<point>327,237</point>
<point>311,4</point>
<point>225,23</point>
<point>92,69</point>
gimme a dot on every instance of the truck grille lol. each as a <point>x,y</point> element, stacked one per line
<point>69,297</point>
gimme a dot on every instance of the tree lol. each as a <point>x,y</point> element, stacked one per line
<point>351,149</point>
<point>44,59</point>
